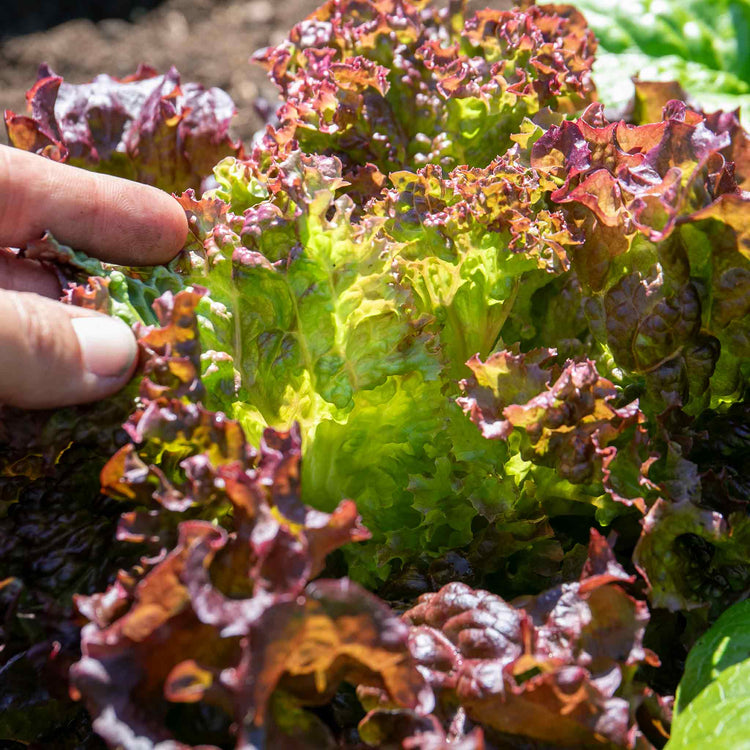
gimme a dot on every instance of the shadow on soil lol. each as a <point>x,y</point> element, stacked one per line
<point>27,16</point>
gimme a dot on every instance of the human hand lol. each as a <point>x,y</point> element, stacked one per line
<point>53,354</point>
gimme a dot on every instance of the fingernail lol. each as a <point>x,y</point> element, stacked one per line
<point>107,345</point>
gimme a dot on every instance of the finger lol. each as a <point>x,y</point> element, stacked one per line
<point>23,275</point>
<point>56,355</point>
<point>113,219</point>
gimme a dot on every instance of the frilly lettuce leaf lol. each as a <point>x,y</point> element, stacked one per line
<point>664,256</point>
<point>695,545</point>
<point>564,419</point>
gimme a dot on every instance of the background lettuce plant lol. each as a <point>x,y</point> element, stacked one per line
<point>703,47</point>
<point>440,330</point>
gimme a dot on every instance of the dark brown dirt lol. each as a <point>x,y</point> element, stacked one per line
<point>209,41</point>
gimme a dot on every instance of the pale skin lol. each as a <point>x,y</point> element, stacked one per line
<point>52,354</point>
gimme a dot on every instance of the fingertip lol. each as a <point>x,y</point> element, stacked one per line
<point>170,224</point>
<point>108,347</point>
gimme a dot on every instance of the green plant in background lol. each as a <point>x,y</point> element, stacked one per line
<point>704,45</point>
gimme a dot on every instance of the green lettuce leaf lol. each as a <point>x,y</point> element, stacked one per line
<point>718,715</point>
<point>714,694</point>
<point>726,644</point>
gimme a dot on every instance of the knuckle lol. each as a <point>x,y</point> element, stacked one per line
<point>4,166</point>
<point>8,278</point>
<point>35,332</point>
<point>5,184</point>
<point>20,172</point>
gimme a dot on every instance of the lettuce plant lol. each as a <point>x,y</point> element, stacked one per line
<point>440,330</point>
<point>144,127</point>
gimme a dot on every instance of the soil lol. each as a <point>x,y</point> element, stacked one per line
<point>208,41</point>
